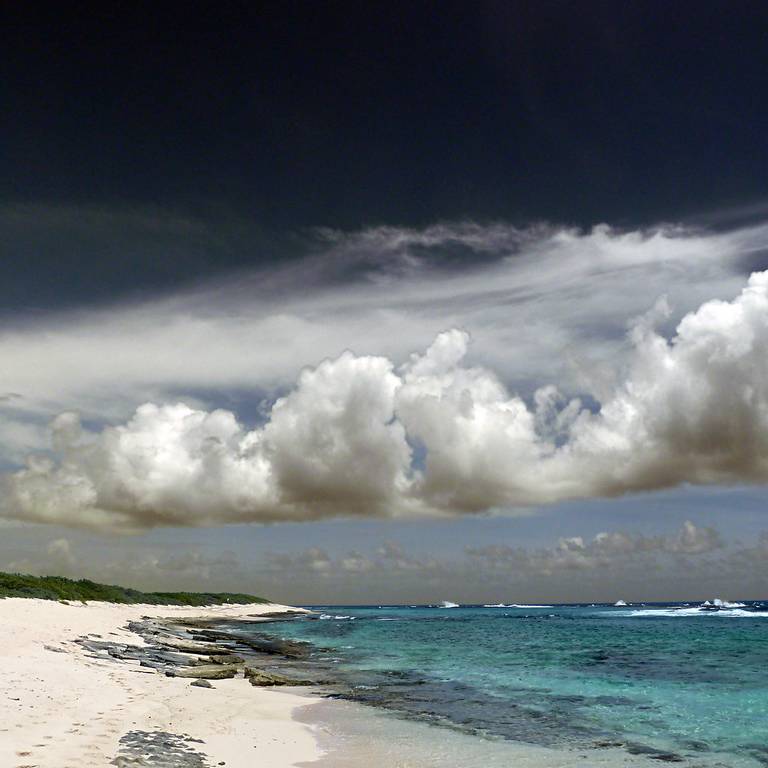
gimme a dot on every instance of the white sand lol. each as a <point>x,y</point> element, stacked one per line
<point>66,710</point>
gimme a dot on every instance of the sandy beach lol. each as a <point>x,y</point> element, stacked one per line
<point>62,708</point>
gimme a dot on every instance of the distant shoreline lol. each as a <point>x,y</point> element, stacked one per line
<point>85,590</point>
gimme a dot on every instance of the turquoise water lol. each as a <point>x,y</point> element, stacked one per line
<point>672,682</point>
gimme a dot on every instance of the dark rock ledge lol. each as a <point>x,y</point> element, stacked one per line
<point>190,648</point>
<point>200,651</point>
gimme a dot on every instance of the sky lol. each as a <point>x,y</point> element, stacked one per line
<point>401,303</point>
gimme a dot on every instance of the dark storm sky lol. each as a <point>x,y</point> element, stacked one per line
<point>144,145</point>
<point>197,201</point>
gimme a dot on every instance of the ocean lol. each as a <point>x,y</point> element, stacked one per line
<point>681,683</point>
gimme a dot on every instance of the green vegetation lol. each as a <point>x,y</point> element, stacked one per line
<point>58,588</point>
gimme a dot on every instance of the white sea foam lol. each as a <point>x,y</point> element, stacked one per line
<point>515,605</point>
<point>449,604</point>
<point>725,604</point>
<point>688,612</point>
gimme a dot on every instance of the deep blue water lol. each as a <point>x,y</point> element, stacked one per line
<point>666,680</point>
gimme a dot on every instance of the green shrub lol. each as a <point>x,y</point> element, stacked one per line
<point>58,588</point>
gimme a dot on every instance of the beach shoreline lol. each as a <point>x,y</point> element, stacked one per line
<point>63,706</point>
<point>105,684</point>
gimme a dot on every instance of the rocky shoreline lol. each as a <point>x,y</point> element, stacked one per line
<point>190,648</point>
<point>203,651</point>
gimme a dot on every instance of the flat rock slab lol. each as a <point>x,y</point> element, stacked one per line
<point>188,646</point>
<point>273,646</point>
<point>261,678</point>
<point>204,672</point>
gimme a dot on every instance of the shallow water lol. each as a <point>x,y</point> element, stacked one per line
<point>353,735</point>
<point>662,682</point>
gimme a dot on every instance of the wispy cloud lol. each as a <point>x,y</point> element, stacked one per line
<point>544,304</point>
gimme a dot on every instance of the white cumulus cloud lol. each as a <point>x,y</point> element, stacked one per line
<point>358,436</point>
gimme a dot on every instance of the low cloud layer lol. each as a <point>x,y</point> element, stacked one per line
<point>360,436</point>
<point>606,549</point>
<point>693,561</point>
